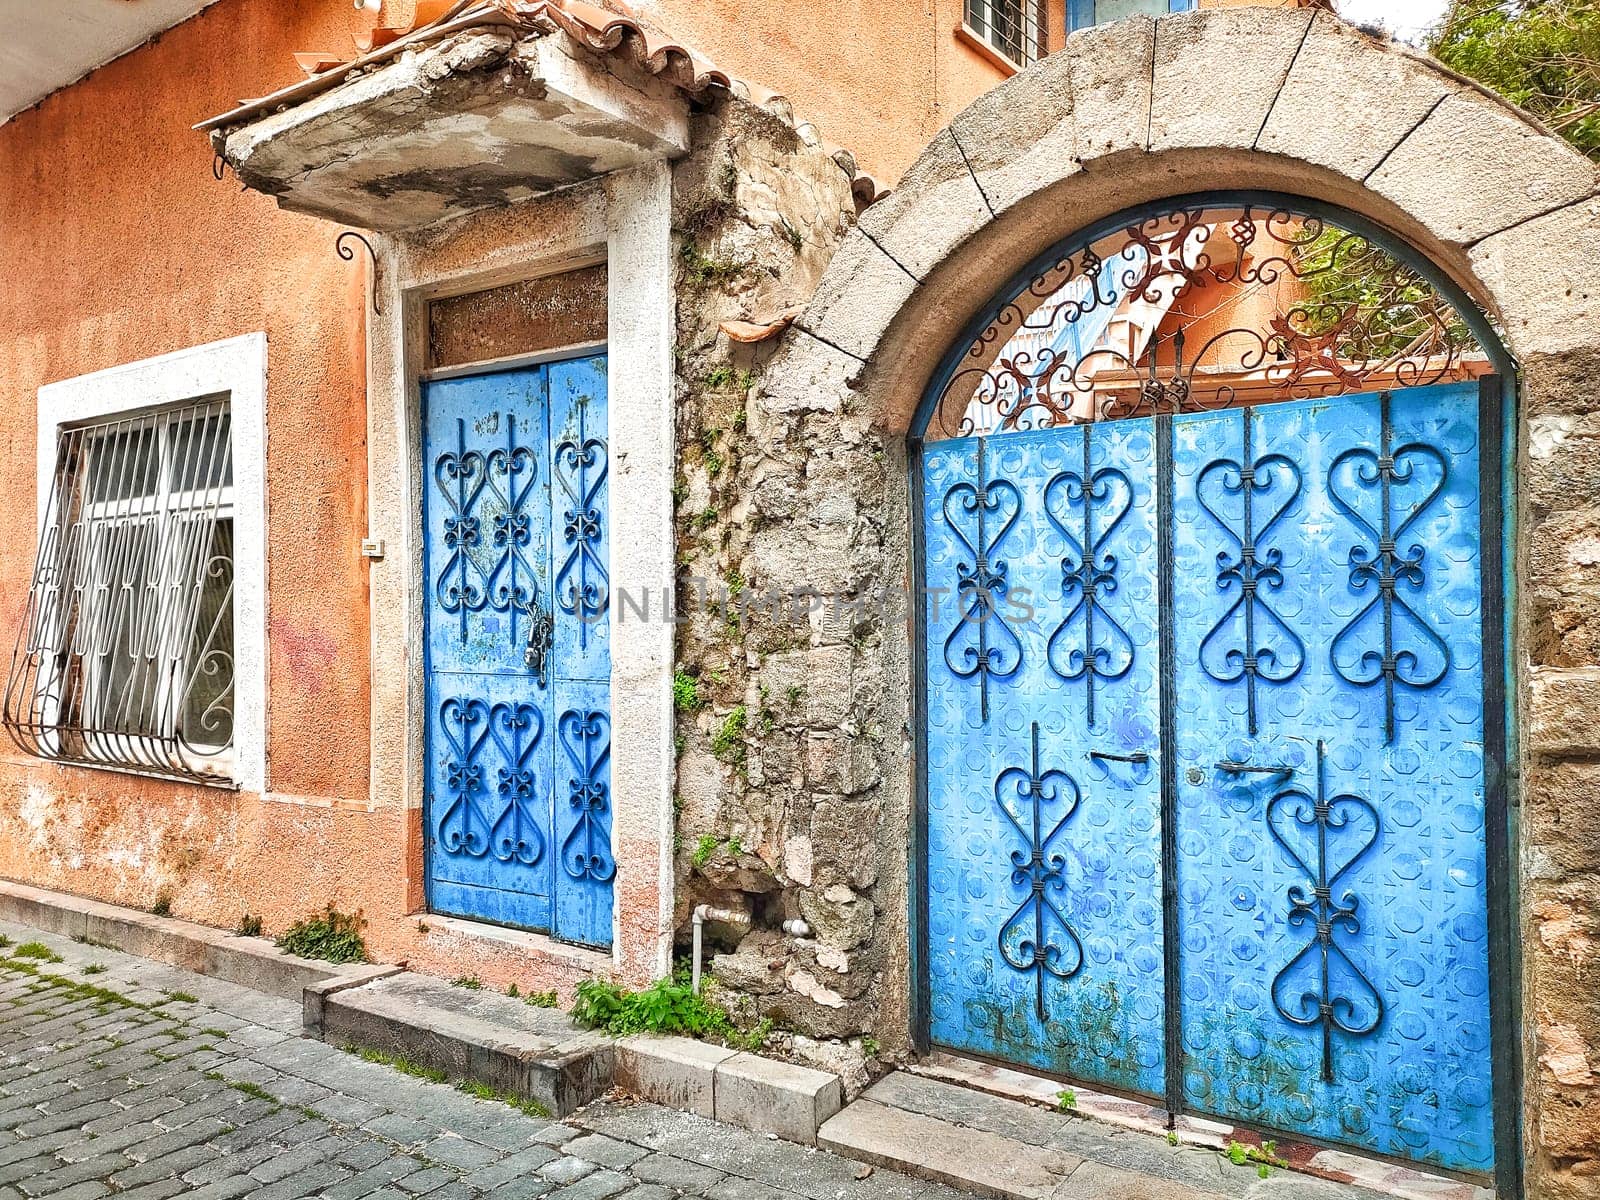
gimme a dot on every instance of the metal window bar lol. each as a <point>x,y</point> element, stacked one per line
<point>125,654</point>
<point>1016,28</point>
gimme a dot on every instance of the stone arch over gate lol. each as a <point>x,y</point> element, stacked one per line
<point>1291,102</point>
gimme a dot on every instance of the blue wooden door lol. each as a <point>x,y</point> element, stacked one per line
<point>1206,787</point>
<point>516,613</point>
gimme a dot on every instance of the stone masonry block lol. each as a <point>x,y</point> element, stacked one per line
<point>1217,72</point>
<point>1564,713</point>
<point>1110,82</point>
<point>807,375</point>
<point>1475,167</point>
<point>1021,136</point>
<point>776,1097</point>
<point>858,297</point>
<point>1557,829</point>
<point>1382,92</point>
<point>935,207</point>
<point>674,1072</point>
<point>1544,275</point>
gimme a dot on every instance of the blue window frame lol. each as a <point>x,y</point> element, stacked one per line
<point>1083,13</point>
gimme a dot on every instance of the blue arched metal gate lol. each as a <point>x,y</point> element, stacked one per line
<point>1212,663</point>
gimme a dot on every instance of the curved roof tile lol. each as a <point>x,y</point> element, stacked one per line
<point>602,30</point>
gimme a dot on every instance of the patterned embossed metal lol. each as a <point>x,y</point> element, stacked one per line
<point>1297,408</point>
<point>981,514</point>
<point>1322,987</point>
<point>1250,642</point>
<point>1386,490</point>
<point>1037,939</point>
<point>1090,643</point>
<point>518,669</point>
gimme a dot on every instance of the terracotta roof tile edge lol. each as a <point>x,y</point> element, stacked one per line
<point>599,30</point>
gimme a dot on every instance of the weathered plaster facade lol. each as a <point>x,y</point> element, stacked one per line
<point>770,765</point>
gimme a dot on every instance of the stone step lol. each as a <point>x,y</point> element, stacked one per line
<point>1011,1149</point>
<point>538,1054</point>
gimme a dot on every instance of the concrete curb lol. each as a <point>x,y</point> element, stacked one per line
<point>251,962</point>
<point>490,1039</point>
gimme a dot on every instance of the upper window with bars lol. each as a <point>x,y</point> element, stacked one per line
<point>125,658</point>
<point>1016,29</point>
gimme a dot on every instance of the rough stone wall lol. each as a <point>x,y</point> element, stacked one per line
<point>778,772</point>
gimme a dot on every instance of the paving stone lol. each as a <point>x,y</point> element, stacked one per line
<point>425,1180</point>
<point>566,1170</point>
<point>599,1185</point>
<point>676,1173</point>
<point>453,1150</point>
<point>608,1152</point>
<point>520,1167</point>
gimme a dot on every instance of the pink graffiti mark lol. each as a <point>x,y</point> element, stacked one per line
<point>308,652</point>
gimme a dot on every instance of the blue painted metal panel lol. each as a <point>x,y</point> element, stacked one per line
<point>581,652</point>
<point>1328,805</point>
<point>1044,880</point>
<point>1341,618</point>
<point>518,767</point>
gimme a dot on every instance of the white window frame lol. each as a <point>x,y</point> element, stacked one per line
<point>236,367</point>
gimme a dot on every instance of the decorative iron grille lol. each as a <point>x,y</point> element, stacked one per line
<point>125,654</point>
<point>1201,307</point>
<point>1016,28</point>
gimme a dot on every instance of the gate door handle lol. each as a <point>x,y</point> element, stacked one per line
<point>541,636</point>
<point>1232,767</point>
<point>1138,757</point>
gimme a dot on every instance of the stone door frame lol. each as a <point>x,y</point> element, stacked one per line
<point>624,221</point>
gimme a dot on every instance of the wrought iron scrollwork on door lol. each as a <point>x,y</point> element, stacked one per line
<point>497,485</point>
<point>484,815</point>
<point>1409,652</point>
<point>582,584</point>
<point>982,645</point>
<point>1250,641</point>
<point>1100,647</point>
<point>1313,988</point>
<point>1037,938</point>
<point>586,850</point>
<point>517,730</point>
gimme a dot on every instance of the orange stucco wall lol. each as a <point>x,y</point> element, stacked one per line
<point>878,78</point>
<point>117,244</point>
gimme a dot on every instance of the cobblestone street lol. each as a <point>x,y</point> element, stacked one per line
<point>128,1077</point>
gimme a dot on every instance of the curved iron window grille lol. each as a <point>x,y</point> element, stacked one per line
<point>1204,303</point>
<point>125,654</point>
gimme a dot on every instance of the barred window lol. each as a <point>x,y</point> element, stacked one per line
<point>1083,13</point>
<point>125,655</point>
<point>1015,28</point>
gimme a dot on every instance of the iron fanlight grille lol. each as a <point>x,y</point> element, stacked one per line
<point>1199,307</point>
<point>125,654</point>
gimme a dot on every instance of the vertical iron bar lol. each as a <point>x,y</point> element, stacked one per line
<point>1505,1066</point>
<point>1172,980</point>
<point>921,980</point>
<point>1089,574</point>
